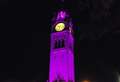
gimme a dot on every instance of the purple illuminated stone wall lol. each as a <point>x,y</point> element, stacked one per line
<point>62,58</point>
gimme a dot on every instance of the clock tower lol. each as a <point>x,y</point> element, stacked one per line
<point>61,68</point>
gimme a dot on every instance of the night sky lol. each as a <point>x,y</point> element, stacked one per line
<point>96,32</point>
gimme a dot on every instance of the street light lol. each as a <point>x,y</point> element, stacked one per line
<point>85,81</point>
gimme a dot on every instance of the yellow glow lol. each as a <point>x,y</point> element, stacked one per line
<point>59,26</point>
<point>85,81</point>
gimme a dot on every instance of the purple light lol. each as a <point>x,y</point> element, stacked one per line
<point>62,59</point>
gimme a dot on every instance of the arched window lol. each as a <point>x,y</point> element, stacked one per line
<point>59,43</point>
<point>62,43</point>
<point>55,45</point>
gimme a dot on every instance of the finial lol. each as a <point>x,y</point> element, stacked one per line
<point>62,15</point>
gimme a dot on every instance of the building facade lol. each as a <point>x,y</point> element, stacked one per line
<point>61,67</point>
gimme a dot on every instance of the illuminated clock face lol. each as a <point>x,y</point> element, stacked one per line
<point>59,26</point>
